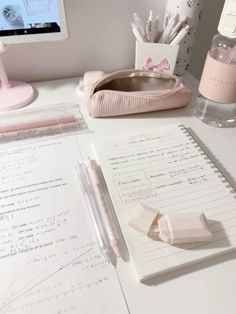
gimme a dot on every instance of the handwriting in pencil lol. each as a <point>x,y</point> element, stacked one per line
<point>61,268</point>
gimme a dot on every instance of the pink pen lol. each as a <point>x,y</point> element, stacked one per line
<point>37,123</point>
<point>180,36</point>
<point>106,219</point>
<point>35,132</point>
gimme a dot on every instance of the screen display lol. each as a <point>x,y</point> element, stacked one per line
<point>26,17</point>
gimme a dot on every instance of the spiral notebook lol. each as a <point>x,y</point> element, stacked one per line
<point>166,169</point>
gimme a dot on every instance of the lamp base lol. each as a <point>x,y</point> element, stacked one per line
<point>17,95</point>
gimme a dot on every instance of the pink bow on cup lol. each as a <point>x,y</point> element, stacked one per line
<point>162,66</point>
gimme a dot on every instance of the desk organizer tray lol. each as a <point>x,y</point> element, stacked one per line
<point>136,91</point>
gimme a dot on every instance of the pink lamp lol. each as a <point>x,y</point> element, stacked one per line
<point>13,94</point>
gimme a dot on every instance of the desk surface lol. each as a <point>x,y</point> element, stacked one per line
<point>207,287</point>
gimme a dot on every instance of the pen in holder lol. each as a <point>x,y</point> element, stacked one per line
<point>192,10</point>
<point>157,46</point>
<point>156,56</point>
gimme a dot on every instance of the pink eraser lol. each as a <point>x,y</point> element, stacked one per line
<point>176,228</point>
<point>145,218</point>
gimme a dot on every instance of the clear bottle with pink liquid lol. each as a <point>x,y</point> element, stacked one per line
<point>216,102</point>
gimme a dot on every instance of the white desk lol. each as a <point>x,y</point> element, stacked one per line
<point>207,287</point>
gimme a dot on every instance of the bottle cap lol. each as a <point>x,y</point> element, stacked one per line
<point>227,24</point>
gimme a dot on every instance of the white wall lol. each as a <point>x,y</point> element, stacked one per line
<point>100,38</point>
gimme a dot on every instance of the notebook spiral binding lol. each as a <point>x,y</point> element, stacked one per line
<point>220,175</point>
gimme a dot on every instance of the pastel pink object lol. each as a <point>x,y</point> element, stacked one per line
<point>145,218</point>
<point>174,228</point>
<point>162,66</point>
<point>41,131</point>
<point>218,81</point>
<point>13,94</point>
<point>177,228</point>
<point>37,123</point>
<point>136,91</point>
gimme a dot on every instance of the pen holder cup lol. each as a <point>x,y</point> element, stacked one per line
<point>156,57</point>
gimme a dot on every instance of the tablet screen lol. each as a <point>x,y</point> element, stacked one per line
<point>30,17</point>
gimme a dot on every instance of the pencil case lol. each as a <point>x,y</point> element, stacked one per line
<point>136,91</point>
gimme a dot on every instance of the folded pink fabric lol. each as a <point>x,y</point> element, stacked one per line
<point>136,91</point>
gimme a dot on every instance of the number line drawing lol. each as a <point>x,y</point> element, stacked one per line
<point>62,267</point>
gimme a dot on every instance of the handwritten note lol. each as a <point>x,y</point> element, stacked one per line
<point>49,259</point>
<point>165,168</point>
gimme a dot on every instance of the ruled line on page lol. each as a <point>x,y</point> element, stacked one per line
<point>169,171</point>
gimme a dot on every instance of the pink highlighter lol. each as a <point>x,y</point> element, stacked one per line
<point>174,228</point>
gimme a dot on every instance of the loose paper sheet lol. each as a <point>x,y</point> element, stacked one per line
<point>49,259</point>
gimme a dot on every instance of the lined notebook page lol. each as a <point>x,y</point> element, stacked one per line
<point>166,169</point>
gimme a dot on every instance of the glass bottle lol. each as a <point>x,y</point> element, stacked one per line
<point>216,102</point>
